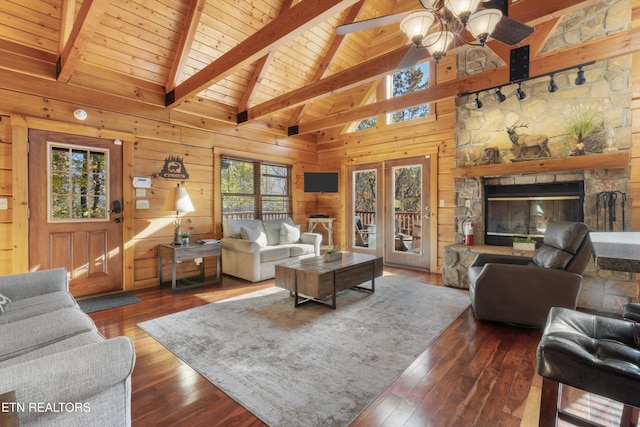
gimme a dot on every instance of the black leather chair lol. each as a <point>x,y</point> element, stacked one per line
<point>597,354</point>
<point>521,290</point>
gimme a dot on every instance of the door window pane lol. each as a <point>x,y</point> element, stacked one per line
<point>77,183</point>
<point>365,203</point>
<point>407,187</point>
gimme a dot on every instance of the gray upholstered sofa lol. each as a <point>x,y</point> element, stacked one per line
<point>251,248</point>
<point>61,369</point>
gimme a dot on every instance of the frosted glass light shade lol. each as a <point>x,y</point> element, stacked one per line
<point>482,24</point>
<point>428,4</point>
<point>462,9</point>
<point>416,25</point>
<point>437,44</point>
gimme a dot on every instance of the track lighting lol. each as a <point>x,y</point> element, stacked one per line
<point>520,93</point>
<point>478,103</point>
<point>499,95</point>
<point>580,79</point>
<point>552,85</point>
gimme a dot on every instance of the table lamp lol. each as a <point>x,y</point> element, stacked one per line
<point>178,200</point>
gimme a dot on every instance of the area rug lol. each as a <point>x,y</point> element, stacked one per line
<point>105,302</point>
<point>311,365</point>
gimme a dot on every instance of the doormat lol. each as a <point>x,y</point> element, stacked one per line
<point>105,302</point>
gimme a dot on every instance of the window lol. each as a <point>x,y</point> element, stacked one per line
<point>77,183</point>
<point>405,81</point>
<point>255,190</point>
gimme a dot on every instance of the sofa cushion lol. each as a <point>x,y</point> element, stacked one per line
<point>35,306</point>
<point>39,331</point>
<point>549,257</point>
<point>289,233</point>
<point>299,249</point>
<point>231,227</point>
<point>256,234</point>
<point>4,303</point>
<point>274,253</point>
<point>272,228</point>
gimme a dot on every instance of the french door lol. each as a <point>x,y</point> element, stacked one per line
<point>75,202</point>
<point>407,212</point>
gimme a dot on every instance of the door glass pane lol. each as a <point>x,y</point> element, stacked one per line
<point>364,209</point>
<point>77,183</point>
<point>407,197</point>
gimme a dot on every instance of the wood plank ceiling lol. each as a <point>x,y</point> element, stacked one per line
<point>276,61</point>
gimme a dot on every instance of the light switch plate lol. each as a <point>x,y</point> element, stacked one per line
<point>142,204</point>
<point>4,203</point>
<point>141,192</point>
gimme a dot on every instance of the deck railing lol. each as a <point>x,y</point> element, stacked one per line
<point>404,220</point>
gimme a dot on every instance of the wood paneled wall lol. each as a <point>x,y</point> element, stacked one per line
<point>150,138</point>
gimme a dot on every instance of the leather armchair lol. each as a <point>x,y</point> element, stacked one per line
<point>521,290</point>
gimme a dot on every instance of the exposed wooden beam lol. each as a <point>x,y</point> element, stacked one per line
<point>331,53</point>
<point>285,27</point>
<point>258,73</point>
<point>85,26</point>
<point>186,40</point>
<point>67,13</point>
<point>605,48</point>
<point>344,80</point>
<point>531,11</point>
<point>27,60</point>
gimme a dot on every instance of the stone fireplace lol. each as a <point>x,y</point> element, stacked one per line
<point>484,131</point>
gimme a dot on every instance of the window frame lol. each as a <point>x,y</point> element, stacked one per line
<point>258,194</point>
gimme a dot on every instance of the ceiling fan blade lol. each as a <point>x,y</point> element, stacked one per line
<point>371,23</point>
<point>511,32</point>
<point>412,57</point>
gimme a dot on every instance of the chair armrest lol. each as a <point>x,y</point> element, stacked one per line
<point>314,239</point>
<point>631,311</point>
<point>239,245</point>
<point>27,285</point>
<point>485,258</point>
<point>74,375</point>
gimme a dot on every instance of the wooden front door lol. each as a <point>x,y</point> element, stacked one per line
<point>75,202</point>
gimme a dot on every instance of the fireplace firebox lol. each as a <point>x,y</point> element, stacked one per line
<point>525,210</point>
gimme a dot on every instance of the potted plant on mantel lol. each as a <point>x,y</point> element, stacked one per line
<point>581,122</point>
<point>332,254</point>
<point>524,243</point>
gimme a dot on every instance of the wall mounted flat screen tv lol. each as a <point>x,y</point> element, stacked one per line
<point>321,182</point>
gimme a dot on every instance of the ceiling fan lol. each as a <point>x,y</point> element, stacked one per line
<point>454,19</point>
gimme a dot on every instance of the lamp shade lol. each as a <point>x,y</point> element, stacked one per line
<point>416,25</point>
<point>437,44</point>
<point>482,24</point>
<point>461,9</point>
<point>178,200</point>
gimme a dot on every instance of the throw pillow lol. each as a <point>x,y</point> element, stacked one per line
<point>289,233</point>
<point>254,235</point>
<point>4,302</point>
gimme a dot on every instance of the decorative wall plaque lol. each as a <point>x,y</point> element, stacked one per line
<point>174,168</point>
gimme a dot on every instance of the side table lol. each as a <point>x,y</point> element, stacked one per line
<point>188,252</point>
<point>327,223</point>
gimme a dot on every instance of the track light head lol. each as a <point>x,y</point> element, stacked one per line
<point>552,85</point>
<point>477,102</point>
<point>520,93</point>
<point>580,79</point>
<point>500,96</point>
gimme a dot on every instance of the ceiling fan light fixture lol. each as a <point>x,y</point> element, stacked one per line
<point>429,4</point>
<point>482,24</point>
<point>462,9</point>
<point>437,44</point>
<point>416,26</point>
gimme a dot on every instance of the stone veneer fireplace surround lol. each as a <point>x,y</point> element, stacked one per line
<point>607,87</point>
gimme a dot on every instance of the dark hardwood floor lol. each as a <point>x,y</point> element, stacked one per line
<point>475,374</point>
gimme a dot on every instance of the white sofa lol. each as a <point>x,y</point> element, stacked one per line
<point>61,369</point>
<point>251,248</point>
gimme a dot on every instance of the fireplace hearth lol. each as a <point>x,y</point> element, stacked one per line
<point>525,210</point>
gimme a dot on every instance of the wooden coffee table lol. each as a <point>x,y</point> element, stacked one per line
<point>315,278</point>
